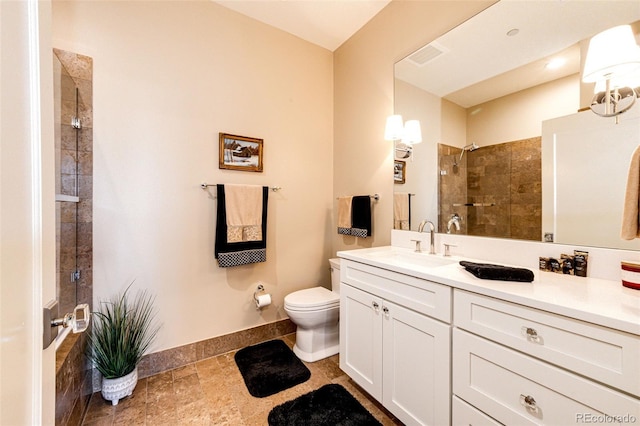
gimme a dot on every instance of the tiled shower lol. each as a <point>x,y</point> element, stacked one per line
<point>496,189</point>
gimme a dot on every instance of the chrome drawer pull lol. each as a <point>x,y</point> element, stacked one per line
<point>529,403</point>
<point>386,311</point>
<point>531,334</point>
<point>376,307</point>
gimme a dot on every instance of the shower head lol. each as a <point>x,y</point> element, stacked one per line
<point>470,147</point>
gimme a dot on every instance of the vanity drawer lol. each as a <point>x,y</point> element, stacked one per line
<point>603,354</point>
<point>466,414</point>
<point>420,295</point>
<point>516,389</point>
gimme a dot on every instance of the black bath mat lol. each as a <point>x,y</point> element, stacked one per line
<point>329,405</point>
<point>270,367</point>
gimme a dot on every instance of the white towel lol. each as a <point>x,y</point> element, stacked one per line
<point>344,215</point>
<point>401,210</point>
<point>631,210</point>
<point>244,212</point>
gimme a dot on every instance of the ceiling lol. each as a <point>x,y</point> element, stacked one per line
<point>488,63</point>
<point>327,23</point>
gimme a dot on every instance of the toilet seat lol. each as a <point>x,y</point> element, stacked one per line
<point>312,299</point>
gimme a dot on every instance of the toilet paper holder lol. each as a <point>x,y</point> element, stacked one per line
<point>259,289</point>
<point>261,298</point>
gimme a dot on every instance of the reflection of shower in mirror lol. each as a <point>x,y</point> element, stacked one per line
<point>470,147</point>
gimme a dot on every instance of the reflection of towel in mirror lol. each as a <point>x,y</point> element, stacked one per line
<point>631,209</point>
<point>401,210</point>
<point>344,215</point>
<point>487,271</point>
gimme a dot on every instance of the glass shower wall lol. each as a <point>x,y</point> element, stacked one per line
<point>74,194</point>
<point>66,139</point>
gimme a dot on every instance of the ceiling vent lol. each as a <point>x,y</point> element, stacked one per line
<point>427,54</point>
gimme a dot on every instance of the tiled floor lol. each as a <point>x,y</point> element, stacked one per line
<point>212,392</point>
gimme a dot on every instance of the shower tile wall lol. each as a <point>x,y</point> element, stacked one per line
<point>73,381</point>
<point>503,180</point>
<point>452,187</point>
<point>526,189</point>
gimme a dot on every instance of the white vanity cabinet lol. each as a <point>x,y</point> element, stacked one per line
<point>520,365</point>
<point>395,341</point>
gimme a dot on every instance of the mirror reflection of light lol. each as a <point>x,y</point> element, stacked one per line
<point>556,63</point>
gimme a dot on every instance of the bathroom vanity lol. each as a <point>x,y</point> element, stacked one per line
<point>437,346</point>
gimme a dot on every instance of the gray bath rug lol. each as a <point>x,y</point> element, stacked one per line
<point>329,405</point>
<point>270,367</point>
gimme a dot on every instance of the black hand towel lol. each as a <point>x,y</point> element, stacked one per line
<point>244,252</point>
<point>487,271</point>
<point>361,216</point>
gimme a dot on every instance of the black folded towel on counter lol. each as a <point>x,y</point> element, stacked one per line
<point>487,271</point>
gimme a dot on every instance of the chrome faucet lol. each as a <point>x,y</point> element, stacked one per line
<point>455,220</point>
<point>432,230</point>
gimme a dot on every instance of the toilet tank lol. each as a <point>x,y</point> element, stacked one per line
<point>335,274</point>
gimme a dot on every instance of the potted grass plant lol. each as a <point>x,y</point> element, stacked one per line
<point>123,329</point>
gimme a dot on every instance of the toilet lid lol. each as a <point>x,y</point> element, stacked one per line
<point>316,297</point>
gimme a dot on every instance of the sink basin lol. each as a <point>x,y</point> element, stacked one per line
<point>424,260</point>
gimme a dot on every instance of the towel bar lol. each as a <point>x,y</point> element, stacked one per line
<point>376,197</point>
<point>205,185</point>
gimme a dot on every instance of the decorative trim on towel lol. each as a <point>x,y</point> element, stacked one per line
<point>244,257</point>
<point>401,224</point>
<point>236,234</point>
<point>344,231</point>
<point>358,232</point>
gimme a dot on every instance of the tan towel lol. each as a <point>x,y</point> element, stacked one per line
<point>244,212</point>
<point>400,210</point>
<point>630,211</point>
<point>344,214</point>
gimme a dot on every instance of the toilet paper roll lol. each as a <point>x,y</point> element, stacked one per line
<point>263,300</point>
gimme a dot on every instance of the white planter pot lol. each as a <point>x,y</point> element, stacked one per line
<point>115,389</point>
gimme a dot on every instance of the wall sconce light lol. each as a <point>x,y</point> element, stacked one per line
<point>612,60</point>
<point>403,135</point>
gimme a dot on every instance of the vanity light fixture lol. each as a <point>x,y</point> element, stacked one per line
<point>612,58</point>
<point>403,135</point>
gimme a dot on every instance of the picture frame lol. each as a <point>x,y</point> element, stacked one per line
<point>240,153</point>
<point>399,171</point>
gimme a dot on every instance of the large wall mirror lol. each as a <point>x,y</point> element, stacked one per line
<point>505,151</point>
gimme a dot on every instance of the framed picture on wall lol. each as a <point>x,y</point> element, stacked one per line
<point>240,153</point>
<point>399,171</point>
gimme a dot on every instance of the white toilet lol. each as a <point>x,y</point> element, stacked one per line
<point>316,312</point>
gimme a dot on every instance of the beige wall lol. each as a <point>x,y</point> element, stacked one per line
<point>363,98</point>
<point>168,76</point>
<point>519,115</point>
<point>414,103</point>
